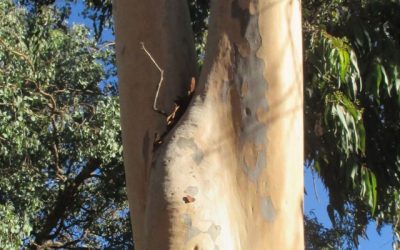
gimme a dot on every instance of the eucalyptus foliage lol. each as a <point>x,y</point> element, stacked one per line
<point>61,173</point>
<point>352,111</point>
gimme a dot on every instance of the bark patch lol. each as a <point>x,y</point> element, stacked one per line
<point>267,209</point>
<point>214,231</point>
<point>191,231</point>
<point>191,190</point>
<point>197,154</point>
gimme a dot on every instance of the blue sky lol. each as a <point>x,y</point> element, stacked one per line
<point>316,199</point>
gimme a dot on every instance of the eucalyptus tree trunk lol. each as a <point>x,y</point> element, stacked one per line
<point>229,174</point>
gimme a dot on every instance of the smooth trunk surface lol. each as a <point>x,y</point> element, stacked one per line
<point>230,174</point>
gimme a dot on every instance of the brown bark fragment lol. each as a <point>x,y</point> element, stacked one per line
<point>188,199</point>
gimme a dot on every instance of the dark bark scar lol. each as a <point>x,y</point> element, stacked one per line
<point>180,106</point>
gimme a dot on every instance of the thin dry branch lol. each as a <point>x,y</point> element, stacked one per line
<point>315,186</point>
<point>107,44</point>
<point>159,83</point>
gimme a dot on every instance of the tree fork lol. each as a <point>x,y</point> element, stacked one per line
<point>229,175</point>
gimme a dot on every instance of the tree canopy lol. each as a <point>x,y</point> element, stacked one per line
<point>62,180</point>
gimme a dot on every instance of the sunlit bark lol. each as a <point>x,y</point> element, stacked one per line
<point>229,174</point>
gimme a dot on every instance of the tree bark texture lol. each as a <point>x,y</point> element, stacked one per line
<point>229,175</point>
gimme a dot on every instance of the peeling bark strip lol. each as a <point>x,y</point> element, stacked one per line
<point>229,175</point>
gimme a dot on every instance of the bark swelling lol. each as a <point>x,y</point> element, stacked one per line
<point>229,175</point>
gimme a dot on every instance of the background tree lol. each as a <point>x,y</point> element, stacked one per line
<point>62,181</point>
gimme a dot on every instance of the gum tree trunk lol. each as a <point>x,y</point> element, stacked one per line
<point>229,174</point>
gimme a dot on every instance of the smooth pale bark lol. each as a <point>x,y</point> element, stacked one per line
<point>229,175</point>
<point>164,28</point>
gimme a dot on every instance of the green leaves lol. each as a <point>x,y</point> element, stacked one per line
<point>345,119</point>
<point>344,63</point>
<point>378,80</point>
<point>369,187</point>
<point>12,228</point>
<point>339,63</point>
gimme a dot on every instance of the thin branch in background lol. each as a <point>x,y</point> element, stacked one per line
<point>159,83</point>
<point>315,186</point>
<point>65,200</point>
<point>107,44</point>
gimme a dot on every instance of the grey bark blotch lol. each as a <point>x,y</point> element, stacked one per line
<point>214,231</point>
<point>197,154</point>
<point>191,190</point>
<point>191,231</point>
<point>267,209</point>
<point>253,172</point>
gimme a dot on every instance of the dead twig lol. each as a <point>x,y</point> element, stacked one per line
<point>315,186</point>
<point>106,44</point>
<point>159,83</point>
